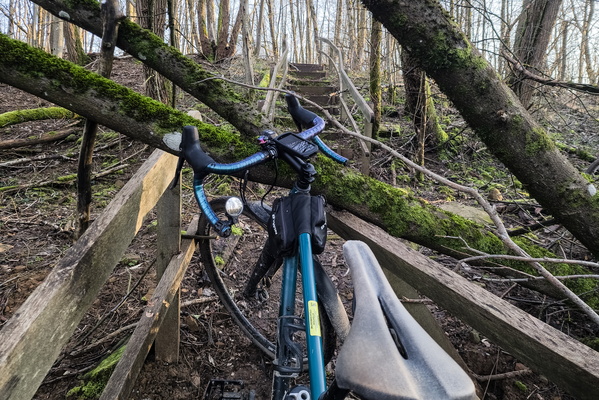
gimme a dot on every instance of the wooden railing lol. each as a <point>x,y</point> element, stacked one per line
<point>33,338</point>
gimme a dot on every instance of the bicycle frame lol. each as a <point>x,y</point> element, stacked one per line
<point>303,261</point>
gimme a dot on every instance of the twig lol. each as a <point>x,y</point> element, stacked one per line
<point>119,304</point>
<point>198,301</point>
<point>581,87</point>
<point>537,278</point>
<point>529,259</point>
<point>103,340</point>
<point>505,375</point>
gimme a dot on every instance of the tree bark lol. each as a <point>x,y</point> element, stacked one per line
<point>376,37</point>
<point>494,112</point>
<point>532,38</point>
<point>420,105</point>
<point>393,209</point>
<point>181,70</point>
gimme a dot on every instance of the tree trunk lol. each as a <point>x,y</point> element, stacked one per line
<point>530,45</point>
<point>494,113</point>
<point>420,105</point>
<point>181,70</point>
<point>118,108</point>
<point>110,18</point>
<point>75,52</point>
<point>152,16</point>
<point>376,36</point>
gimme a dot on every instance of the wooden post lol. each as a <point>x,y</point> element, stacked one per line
<point>168,209</point>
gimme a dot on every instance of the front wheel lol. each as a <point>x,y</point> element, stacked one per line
<point>229,263</point>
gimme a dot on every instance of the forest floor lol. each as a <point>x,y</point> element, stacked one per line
<point>37,225</point>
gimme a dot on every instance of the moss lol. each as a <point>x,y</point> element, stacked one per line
<point>67,178</point>
<point>537,141</point>
<point>94,382</point>
<point>592,342</point>
<point>18,116</point>
<point>521,386</point>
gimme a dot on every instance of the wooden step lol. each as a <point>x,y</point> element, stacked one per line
<point>293,67</point>
<point>313,90</point>
<point>312,75</point>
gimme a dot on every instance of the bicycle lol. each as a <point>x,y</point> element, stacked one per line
<point>261,295</point>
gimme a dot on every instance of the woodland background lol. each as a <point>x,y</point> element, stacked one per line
<point>546,51</point>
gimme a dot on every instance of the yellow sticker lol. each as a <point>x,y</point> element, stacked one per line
<point>314,318</point>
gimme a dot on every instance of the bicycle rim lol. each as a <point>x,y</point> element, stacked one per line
<point>229,262</point>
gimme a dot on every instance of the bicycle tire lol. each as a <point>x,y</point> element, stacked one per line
<point>229,263</point>
<point>593,168</point>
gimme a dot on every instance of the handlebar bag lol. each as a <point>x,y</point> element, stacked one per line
<point>297,214</point>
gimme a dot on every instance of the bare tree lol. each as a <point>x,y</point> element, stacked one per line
<point>532,38</point>
<point>376,37</point>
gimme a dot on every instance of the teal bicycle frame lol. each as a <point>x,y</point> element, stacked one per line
<point>304,262</point>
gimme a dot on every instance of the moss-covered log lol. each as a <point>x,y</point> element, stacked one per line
<point>494,112</point>
<point>168,61</point>
<point>34,114</point>
<point>396,210</point>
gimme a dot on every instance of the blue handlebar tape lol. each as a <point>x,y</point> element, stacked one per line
<point>198,190</point>
<point>318,126</point>
<point>326,150</point>
<point>226,169</point>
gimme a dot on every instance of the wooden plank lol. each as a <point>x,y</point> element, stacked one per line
<point>566,362</point>
<point>168,239</point>
<point>33,338</point>
<point>123,378</point>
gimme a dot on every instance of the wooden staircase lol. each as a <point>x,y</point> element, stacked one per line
<point>311,82</point>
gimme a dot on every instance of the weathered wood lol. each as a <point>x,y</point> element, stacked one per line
<point>566,362</point>
<point>123,378</point>
<point>166,346</point>
<point>33,338</point>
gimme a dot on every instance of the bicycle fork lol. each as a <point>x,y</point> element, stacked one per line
<point>289,355</point>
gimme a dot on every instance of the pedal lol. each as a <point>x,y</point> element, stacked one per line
<point>224,389</point>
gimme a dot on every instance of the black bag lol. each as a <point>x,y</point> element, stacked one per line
<point>311,218</point>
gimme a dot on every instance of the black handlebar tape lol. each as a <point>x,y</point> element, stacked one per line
<point>191,150</point>
<point>302,117</point>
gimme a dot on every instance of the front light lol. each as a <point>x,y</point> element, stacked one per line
<point>234,207</point>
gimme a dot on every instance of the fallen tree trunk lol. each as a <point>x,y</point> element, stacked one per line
<point>396,210</point>
<point>494,112</point>
<point>168,61</point>
<point>446,55</point>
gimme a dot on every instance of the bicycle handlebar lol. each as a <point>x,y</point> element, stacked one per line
<point>202,164</point>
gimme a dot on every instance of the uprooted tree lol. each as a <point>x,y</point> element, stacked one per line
<point>396,210</point>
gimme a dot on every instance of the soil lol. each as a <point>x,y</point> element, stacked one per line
<point>37,226</point>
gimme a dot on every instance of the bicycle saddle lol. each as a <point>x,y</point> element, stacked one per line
<point>387,354</point>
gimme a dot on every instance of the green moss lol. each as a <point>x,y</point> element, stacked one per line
<point>537,141</point>
<point>18,116</point>
<point>67,178</point>
<point>592,342</point>
<point>94,382</point>
<point>521,386</point>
